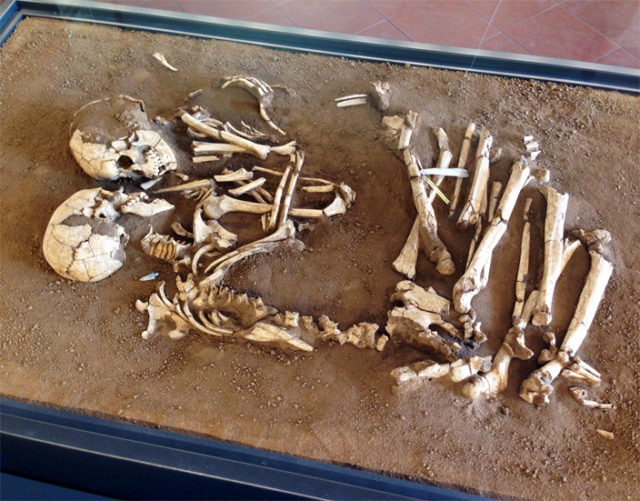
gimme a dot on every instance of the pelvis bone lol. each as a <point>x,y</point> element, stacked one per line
<point>112,139</point>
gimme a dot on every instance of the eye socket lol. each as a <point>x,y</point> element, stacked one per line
<point>124,161</point>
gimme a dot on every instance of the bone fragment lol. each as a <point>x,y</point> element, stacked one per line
<point>139,205</point>
<point>236,175</point>
<point>325,188</point>
<point>205,158</point>
<point>475,278</point>
<point>302,178</point>
<point>248,132</point>
<point>165,248</point>
<point>580,394</point>
<point>259,150</point>
<point>412,294</point>
<point>293,180</point>
<point>393,126</point>
<point>606,434</point>
<point>538,386</point>
<point>542,175</point>
<point>432,245</point>
<point>380,95</point>
<point>273,219</point>
<point>247,188</point>
<point>258,89</point>
<point>263,332</point>
<point>593,240</point>
<point>211,232</point>
<point>190,186</point>
<point>335,208</point>
<point>496,187</point>
<point>523,266</point>
<point>462,161</point>
<point>456,371</point>
<point>553,249</point>
<point>495,155</point>
<point>405,263</point>
<point>407,130</point>
<point>354,101</point>
<point>582,372</point>
<point>471,211</point>
<point>350,97</point>
<point>218,268</point>
<point>148,184</point>
<point>164,61</point>
<point>199,147</point>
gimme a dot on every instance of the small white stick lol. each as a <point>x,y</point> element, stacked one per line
<point>357,101</point>
<point>273,219</point>
<point>205,158</point>
<point>349,97</point>
<point>164,61</point>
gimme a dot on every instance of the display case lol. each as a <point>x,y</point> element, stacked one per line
<point>90,405</point>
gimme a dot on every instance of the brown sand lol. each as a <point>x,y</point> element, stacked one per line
<point>77,346</point>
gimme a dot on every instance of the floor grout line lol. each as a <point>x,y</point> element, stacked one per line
<point>390,22</point>
<point>277,7</point>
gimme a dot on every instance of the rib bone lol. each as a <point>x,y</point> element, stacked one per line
<point>258,89</point>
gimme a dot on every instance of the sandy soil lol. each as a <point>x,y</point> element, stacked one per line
<point>77,346</point>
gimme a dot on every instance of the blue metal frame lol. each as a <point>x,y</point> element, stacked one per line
<point>351,46</point>
<point>127,461</point>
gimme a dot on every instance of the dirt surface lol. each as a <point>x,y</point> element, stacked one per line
<point>77,345</point>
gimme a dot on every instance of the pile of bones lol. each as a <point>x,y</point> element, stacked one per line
<point>113,139</point>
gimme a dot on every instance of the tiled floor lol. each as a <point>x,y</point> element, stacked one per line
<point>602,31</point>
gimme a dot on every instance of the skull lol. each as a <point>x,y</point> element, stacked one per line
<point>82,240</point>
<point>112,139</point>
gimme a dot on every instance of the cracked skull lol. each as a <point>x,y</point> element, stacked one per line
<point>112,139</point>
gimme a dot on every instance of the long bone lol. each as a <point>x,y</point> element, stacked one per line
<point>262,91</point>
<point>428,224</point>
<point>277,198</point>
<point>553,249</point>
<point>538,386</point>
<point>259,150</point>
<point>405,263</point>
<point>286,203</point>
<point>472,208</point>
<point>494,381</point>
<point>474,278</point>
<point>462,162</point>
<point>407,130</point>
<point>217,206</point>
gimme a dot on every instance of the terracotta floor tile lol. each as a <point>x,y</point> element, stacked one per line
<point>391,8</point>
<point>633,47</point>
<point>620,57</point>
<point>278,2</point>
<point>384,30</point>
<point>617,19</point>
<point>237,9</point>
<point>343,16</point>
<point>512,12</point>
<point>271,16</point>
<point>503,43</point>
<point>558,33</point>
<point>151,4</point>
<point>445,22</point>
<point>483,7</point>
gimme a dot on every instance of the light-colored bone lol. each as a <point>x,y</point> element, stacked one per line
<point>495,155</point>
<point>277,198</point>
<point>201,147</point>
<point>606,434</point>
<point>248,132</point>
<point>325,188</point>
<point>293,180</point>
<point>411,294</point>
<point>258,89</point>
<point>496,187</point>
<point>475,277</point>
<point>380,95</point>
<point>164,247</point>
<point>211,232</point>
<point>553,249</point>
<point>218,268</point>
<point>259,150</point>
<point>205,158</point>
<point>580,394</point>
<point>407,130</point>
<point>265,333</point>
<point>432,245</point>
<point>148,184</point>
<point>428,369</point>
<point>405,263</point>
<point>538,386</point>
<point>593,240</point>
<point>276,173</point>
<point>581,371</point>
<point>233,176</point>
<point>217,206</point>
<point>163,61</point>
<point>462,162</point>
<point>335,208</point>
<point>472,208</point>
<point>523,266</point>
<point>353,101</point>
<point>190,186</point>
<point>247,188</point>
<point>350,97</point>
